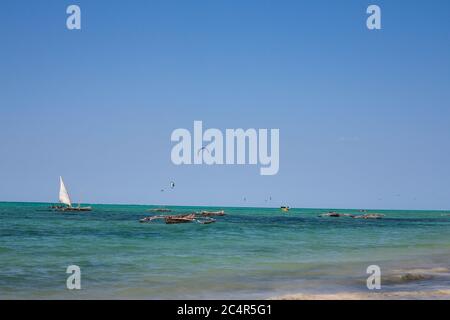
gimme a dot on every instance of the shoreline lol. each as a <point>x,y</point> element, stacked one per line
<point>441,294</point>
<point>413,278</point>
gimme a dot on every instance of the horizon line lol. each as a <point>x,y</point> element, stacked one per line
<point>218,206</point>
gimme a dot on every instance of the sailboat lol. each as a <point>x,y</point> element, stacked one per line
<point>64,199</point>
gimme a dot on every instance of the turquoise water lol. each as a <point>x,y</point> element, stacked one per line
<point>249,253</point>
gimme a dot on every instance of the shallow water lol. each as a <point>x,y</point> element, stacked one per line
<point>249,253</point>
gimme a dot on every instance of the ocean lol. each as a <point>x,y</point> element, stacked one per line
<point>251,253</point>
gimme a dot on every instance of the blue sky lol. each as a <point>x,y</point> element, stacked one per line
<point>363,115</point>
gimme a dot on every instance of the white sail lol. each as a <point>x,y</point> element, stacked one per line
<point>63,194</point>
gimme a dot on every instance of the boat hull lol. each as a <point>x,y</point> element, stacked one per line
<point>212,213</point>
<point>74,209</point>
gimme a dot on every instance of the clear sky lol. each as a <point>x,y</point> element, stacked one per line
<point>364,116</point>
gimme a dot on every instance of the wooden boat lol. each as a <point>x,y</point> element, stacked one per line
<point>181,218</point>
<point>65,202</point>
<point>330,214</point>
<point>77,209</point>
<point>336,215</point>
<point>285,208</point>
<point>212,213</point>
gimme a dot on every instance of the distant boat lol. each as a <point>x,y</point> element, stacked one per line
<point>181,218</point>
<point>64,200</point>
<point>285,208</point>
<point>212,213</point>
